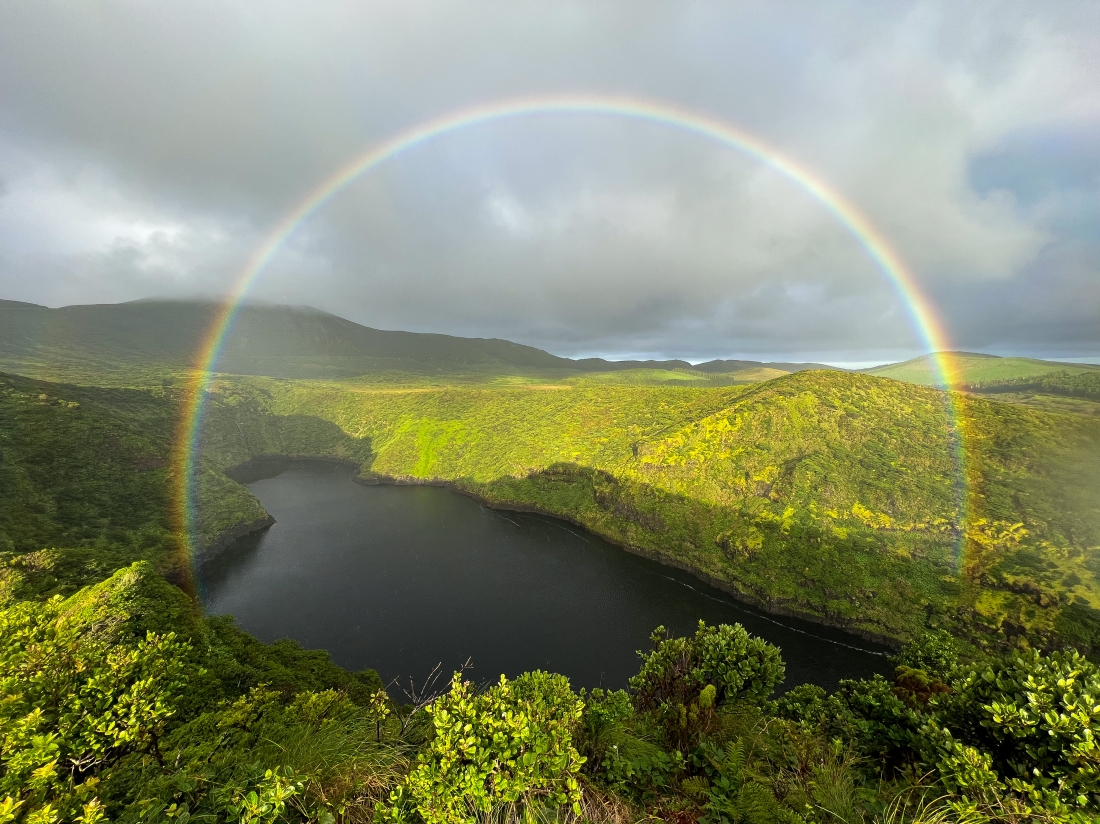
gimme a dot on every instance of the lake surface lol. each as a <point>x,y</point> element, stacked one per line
<point>400,578</point>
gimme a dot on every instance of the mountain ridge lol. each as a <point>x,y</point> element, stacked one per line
<point>282,341</point>
<point>277,340</point>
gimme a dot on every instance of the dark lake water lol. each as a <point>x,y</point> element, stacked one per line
<point>400,578</point>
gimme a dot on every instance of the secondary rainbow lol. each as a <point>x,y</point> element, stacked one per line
<point>889,262</point>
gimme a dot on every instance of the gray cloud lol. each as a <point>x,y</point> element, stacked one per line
<point>146,150</point>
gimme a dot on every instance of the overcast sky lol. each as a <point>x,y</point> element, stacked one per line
<point>147,148</point>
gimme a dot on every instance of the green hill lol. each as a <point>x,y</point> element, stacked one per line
<point>18,304</point>
<point>975,368</point>
<point>1048,386</point>
<point>266,340</point>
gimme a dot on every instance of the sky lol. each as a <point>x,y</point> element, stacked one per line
<point>147,149</point>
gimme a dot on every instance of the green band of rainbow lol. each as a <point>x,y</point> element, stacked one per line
<point>887,260</point>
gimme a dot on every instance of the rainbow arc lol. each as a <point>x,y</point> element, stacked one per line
<point>887,260</point>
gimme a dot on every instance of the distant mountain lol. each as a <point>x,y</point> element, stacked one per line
<point>281,341</point>
<point>971,368</point>
<point>723,366</point>
<point>266,340</point>
<point>601,365</point>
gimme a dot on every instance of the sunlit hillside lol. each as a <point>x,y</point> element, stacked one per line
<point>682,377</point>
<point>975,368</point>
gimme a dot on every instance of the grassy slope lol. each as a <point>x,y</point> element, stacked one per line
<point>87,479</point>
<point>1069,389</point>
<point>825,493</point>
<point>102,454</point>
<point>83,483</point>
<point>1049,402</point>
<point>972,368</point>
<point>681,377</point>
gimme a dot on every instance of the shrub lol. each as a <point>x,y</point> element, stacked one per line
<point>937,653</point>
<point>617,754</point>
<point>867,714</point>
<point>687,679</point>
<point>511,745</point>
<point>72,706</point>
<point>735,665</point>
<point>1033,721</point>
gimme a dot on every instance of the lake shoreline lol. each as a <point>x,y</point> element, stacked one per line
<point>724,586</point>
<point>393,577</point>
<point>241,472</point>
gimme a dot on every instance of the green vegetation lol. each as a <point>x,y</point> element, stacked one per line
<point>1073,384</point>
<point>825,493</point>
<point>86,485</point>
<point>830,494</point>
<point>97,689</point>
<point>121,703</point>
<point>1058,404</point>
<point>971,368</point>
<point>1065,392</point>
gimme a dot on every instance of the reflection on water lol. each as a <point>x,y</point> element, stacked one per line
<point>400,578</point>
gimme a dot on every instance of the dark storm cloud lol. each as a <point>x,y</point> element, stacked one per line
<point>146,149</point>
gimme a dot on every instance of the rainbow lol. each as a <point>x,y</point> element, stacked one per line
<point>922,316</point>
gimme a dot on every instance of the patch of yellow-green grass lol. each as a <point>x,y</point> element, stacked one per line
<point>679,377</point>
<point>1057,404</point>
<point>971,368</point>
<point>647,377</point>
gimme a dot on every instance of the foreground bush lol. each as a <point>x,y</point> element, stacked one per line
<point>106,713</point>
<point>74,705</point>
<point>687,679</point>
<point>1013,736</point>
<point>510,746</point>
<point>1032,722</point>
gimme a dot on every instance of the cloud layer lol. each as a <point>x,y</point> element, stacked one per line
<point>145,150</point>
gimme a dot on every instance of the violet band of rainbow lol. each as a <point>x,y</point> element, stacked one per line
<point>923,318</point>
